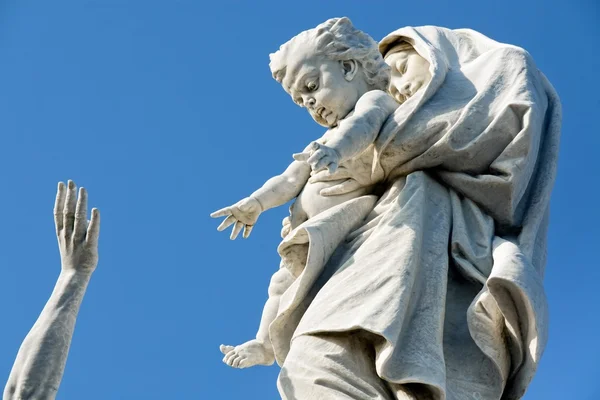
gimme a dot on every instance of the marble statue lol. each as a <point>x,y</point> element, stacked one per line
<point>40,362</point>
<point>413,257</point>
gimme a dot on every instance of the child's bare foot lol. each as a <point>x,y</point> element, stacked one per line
<point>247,354</point>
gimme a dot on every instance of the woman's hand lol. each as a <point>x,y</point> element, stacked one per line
<point>77,238</point>
<point>349,183</point>
<point>243,214</point>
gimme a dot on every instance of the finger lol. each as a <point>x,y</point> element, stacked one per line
<point>301,156</point>
<point>222,212</point>
<point>325,175</point>
<point>225,349</point>
<point>332,167</point>
<point>227,222</point>
<point>313,146</point>
<point>243,363</point>
<point>347,186</point>
<point>316,156</point>
<point>321,164</point>
<point>247,231</point>
<point>80,217</point>
<point>93,229</point>
<point>285,231</point>
<point>69,209</point>
<point>237,228</point>
<point>286,221</point>
<point>59,204</point>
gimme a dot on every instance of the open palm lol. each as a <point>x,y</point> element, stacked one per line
<point>242,215</point>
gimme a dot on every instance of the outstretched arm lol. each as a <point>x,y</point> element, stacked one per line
<point>40,362</point>
<point>275,192</point>
<point>283,188</point>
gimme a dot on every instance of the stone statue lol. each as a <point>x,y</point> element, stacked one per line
<point>41,360</point>
<point>413,258</point>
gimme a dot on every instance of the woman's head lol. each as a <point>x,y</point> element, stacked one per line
<point>410,71</point>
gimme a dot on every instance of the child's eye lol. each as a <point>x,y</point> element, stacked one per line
<point>311,86</point>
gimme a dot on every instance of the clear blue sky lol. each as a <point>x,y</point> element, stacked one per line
<point>166,111</point>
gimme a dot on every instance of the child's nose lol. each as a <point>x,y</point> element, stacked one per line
<point>310,102</point>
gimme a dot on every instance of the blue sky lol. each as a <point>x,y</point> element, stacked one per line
<point>166,111</point>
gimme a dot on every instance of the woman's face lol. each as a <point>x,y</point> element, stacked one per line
<point>410,72</point>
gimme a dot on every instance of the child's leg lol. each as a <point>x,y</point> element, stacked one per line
<point>280,282</point>
<point>297,216</point>
<point>260,351</point>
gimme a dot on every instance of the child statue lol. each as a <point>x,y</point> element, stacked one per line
<point>336,72</point>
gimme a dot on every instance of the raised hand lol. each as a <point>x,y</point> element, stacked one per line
<point>40,362</point>
<point>319,157</point>
<point>77,238</point>
<point>242,214</point>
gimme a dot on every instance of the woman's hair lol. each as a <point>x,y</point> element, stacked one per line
<point>398,47</point>
<point>338,40</point>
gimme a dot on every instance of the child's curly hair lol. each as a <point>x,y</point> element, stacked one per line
<point>338,40</point>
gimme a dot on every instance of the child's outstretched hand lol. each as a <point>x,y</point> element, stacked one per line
<point>319,157</point>
<point>243,214</point>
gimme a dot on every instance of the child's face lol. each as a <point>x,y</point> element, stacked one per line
<point>326,88</point>
<point>410,72</point>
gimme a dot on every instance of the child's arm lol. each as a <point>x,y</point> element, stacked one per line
<point>282,188</point>
<point>275,192</point>
<point>354,134</point>
<point>357,132</point>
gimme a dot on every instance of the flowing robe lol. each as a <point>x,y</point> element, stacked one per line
<point>447,265</point>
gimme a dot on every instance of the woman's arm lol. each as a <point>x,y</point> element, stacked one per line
<point>40,362</point>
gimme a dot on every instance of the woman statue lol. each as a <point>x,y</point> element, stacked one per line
<point>436,292</point>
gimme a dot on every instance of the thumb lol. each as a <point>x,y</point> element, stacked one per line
<point>301,156</point>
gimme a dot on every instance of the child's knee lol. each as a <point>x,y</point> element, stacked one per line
<point>280,282</point>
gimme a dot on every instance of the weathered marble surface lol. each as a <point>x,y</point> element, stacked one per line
<point>418,271</point>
